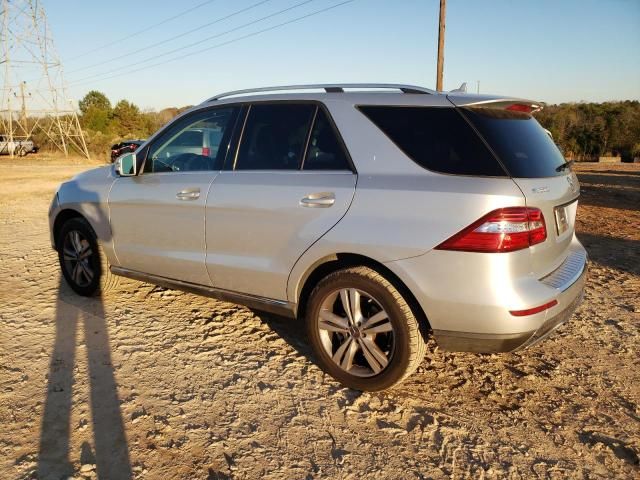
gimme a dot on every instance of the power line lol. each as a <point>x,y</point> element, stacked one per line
<point>113,59</point>
<point>253,34</point>
<point>140,32</point>
<point>193,44</point>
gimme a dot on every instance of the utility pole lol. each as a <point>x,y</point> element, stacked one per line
<point>443,7</point>
<point>23,108</point>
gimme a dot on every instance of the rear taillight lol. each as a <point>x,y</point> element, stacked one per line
<point>206,151</point>
<point>503,230</point>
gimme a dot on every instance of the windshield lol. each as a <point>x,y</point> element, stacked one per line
<point>521,144</point>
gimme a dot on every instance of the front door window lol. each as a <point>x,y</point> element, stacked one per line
<point>195,144</point>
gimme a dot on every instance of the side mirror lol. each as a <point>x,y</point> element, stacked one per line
<point>126,165</point>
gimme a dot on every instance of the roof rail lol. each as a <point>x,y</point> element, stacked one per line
<point>329,88</point>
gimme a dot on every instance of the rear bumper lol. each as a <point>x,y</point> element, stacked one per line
<point>473,316</point>
<point>570,297</point>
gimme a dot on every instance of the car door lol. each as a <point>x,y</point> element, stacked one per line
<point>157,218</point>
<point>289,182</point>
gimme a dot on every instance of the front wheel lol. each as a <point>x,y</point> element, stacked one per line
<point>82,261</point>
<point>362,330</point>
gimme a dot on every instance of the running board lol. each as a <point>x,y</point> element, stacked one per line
<point>263,304</point>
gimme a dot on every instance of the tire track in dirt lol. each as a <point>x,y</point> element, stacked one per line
<point>207,389</point>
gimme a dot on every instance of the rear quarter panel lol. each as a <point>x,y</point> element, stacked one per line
<point>400,209</point>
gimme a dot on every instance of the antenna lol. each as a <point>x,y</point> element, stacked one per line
<point>33,97</point>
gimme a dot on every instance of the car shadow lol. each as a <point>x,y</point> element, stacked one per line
<point>290,330</point>
<point>110,453</point>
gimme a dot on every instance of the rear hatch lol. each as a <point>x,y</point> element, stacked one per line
<point>529,155</point>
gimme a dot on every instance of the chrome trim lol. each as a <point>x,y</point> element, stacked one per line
<point>188,194</point>
<point>278,307</point>
<point>568,272</point>
<point>327,87</point>
<point>318,200</point>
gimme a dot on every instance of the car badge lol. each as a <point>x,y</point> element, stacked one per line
<point>540,189</point>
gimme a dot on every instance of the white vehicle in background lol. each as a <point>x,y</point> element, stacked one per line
<point>18,148</point>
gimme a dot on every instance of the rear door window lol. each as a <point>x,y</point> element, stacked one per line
<point>275,136</point>
<point>522,145</point>
<point>325,151</point>
<point>436,138</point>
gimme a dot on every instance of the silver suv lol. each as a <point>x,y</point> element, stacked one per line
<point>379,214</point>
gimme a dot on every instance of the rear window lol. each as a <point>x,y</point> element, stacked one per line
<point>437,139</point>
<point>522,145</point>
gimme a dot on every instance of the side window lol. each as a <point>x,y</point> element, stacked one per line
<point>274,137</point>
<point>325,151</point>
<point>194,143</point>
<point>436,138</point>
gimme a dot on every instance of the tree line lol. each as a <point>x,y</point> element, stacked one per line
<point>104,125</point>
<point>586,131</point>
<point>583,131</point>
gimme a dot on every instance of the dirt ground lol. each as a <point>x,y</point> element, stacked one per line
<point>157,384</point>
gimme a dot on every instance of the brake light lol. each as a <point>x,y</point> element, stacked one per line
<point>522,107</point>
<point>502,230</point>
<point>206,151</point>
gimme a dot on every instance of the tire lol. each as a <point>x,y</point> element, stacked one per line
<point>92,275</point>
<point>20,152</point>
<point>385,320</point>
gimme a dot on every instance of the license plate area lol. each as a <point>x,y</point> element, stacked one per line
<point>565,217</point>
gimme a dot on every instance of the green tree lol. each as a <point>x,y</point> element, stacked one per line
<point>96,119</point>
<point>96,111</point>
<point>127,119</point>
<point>96,100</point>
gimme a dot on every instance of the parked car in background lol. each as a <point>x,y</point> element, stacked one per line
<point>376,217</point>
<point>20,148</point>
<point>126,146</point>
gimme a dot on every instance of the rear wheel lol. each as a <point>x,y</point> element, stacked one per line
<point>362,330</point>
<point>82,261</point>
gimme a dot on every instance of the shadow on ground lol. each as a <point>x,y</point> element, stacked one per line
<point>110,453</point>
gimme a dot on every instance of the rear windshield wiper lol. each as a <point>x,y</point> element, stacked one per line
<point>564,165</point>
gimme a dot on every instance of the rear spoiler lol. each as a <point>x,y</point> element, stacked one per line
<point>495,102</point>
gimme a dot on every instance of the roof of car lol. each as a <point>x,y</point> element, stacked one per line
<point>365,93</point>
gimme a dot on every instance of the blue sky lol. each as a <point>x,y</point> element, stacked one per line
<point>554,51</point>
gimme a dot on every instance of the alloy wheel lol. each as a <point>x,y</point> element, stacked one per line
<point>356,332</point>
<point>77,255</point>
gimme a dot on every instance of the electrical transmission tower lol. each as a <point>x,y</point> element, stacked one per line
<point>33,98</point>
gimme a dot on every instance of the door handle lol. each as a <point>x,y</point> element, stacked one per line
<point>188,194</point>
<point>319,200</point>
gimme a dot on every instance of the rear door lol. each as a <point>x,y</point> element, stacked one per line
<point>535,163</point>
<point>289,182</point>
